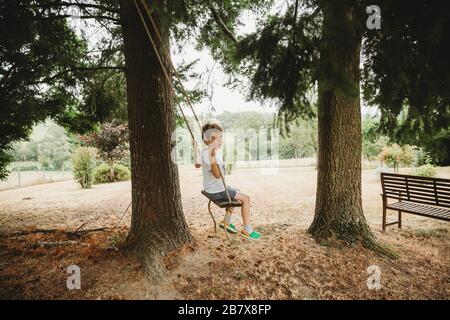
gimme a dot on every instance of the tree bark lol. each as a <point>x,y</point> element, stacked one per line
<point>338,212</point>
<point>158,225</point>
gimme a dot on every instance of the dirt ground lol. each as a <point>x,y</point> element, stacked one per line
<point>285,264</point>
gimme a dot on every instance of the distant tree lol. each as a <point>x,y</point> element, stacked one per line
<point>396,155</point>
<point>373,142</point>
<point>83,165</point>
<point>53,149</point>
<point>301,141</point>
<point>316,46</point>
<point>404,74</point>
<point>24,151</point>
<point>111,141</point>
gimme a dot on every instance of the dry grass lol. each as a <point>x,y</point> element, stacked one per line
<point>285,264</point>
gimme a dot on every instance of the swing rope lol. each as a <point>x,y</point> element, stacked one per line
<point>166,75</point>
<point>162,66</point>
<point>166,52</point>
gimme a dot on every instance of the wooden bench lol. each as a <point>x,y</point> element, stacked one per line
<point>423,196</point>
<point>223,205</point>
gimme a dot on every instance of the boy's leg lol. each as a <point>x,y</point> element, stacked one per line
<point>245,209</point>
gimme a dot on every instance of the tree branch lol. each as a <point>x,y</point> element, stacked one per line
<point>89,13</point>
<point>221,24</point>
<point>77,4</point>
<point>121,68</point>
<point>294,23</point>
<point>65,16</point>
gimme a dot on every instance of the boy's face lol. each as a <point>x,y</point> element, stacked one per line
<point>216,139</point>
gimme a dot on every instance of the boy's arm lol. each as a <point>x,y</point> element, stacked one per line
<point>215,170</point>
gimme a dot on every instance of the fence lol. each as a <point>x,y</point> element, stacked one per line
<point>19,179</point>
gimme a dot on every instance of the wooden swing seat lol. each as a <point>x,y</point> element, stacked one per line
<point>223,205</point>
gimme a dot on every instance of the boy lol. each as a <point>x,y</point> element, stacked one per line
<point>213,168</point>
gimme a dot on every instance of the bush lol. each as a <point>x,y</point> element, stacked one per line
<point>103,173</point>
<point>396,155</point>
<point>30,167</point>
<point>427,170</point>
<point>229,167</point>
<point>83,164</point>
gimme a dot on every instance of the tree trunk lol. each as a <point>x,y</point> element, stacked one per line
<point>157,224</point>
<point>111,170</point>
<point>338,212</point>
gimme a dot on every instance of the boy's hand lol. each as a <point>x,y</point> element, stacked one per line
<point>212,149</point>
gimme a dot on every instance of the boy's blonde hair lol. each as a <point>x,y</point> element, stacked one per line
<point>208,128</point>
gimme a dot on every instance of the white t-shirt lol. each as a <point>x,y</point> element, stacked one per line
<point>211,184</point>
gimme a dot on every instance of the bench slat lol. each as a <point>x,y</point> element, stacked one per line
<point>417,184</point>
<point>417,187</point>
<point>399,175</point>
<point>425,210</point>
<point>413,192</point>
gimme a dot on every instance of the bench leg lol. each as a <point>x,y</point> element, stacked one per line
<point>214,220</point>
<point>399,219</point>
<point>383,224</point>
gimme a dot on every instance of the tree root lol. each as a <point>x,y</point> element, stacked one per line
<point>350,233</point>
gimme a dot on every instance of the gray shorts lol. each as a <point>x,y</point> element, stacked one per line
<point>222,196</point>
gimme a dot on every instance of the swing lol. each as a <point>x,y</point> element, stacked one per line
<point>227,205</point>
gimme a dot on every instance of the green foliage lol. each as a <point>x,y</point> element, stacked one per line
<point>427,170</point>
<point>24,151</point>
<point>111,141</point>
<point>48,72</point>
<point>53,149</point>
<point>422,157</point>
<point>403,73</point>
<point>26,167</point>
<point>301,140</point>
<point>402,67</point>
<point>280,59</point>
<point>373,142</point>
<point>31,55</point>
<point>229,167</point>
<point>103,174</point>
<point>83,164</point>
<point>438,147</point>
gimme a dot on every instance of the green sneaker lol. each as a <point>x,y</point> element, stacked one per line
<point>230,228</point>
<point>252,236</point>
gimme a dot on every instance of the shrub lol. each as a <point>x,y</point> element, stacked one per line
<point>30,167</point>
<point>229,167</point>
<point>396,155</point>
<point>427,170</point>
<point>103,173</point>
<point>83,164</point>
<point>110,142</point>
